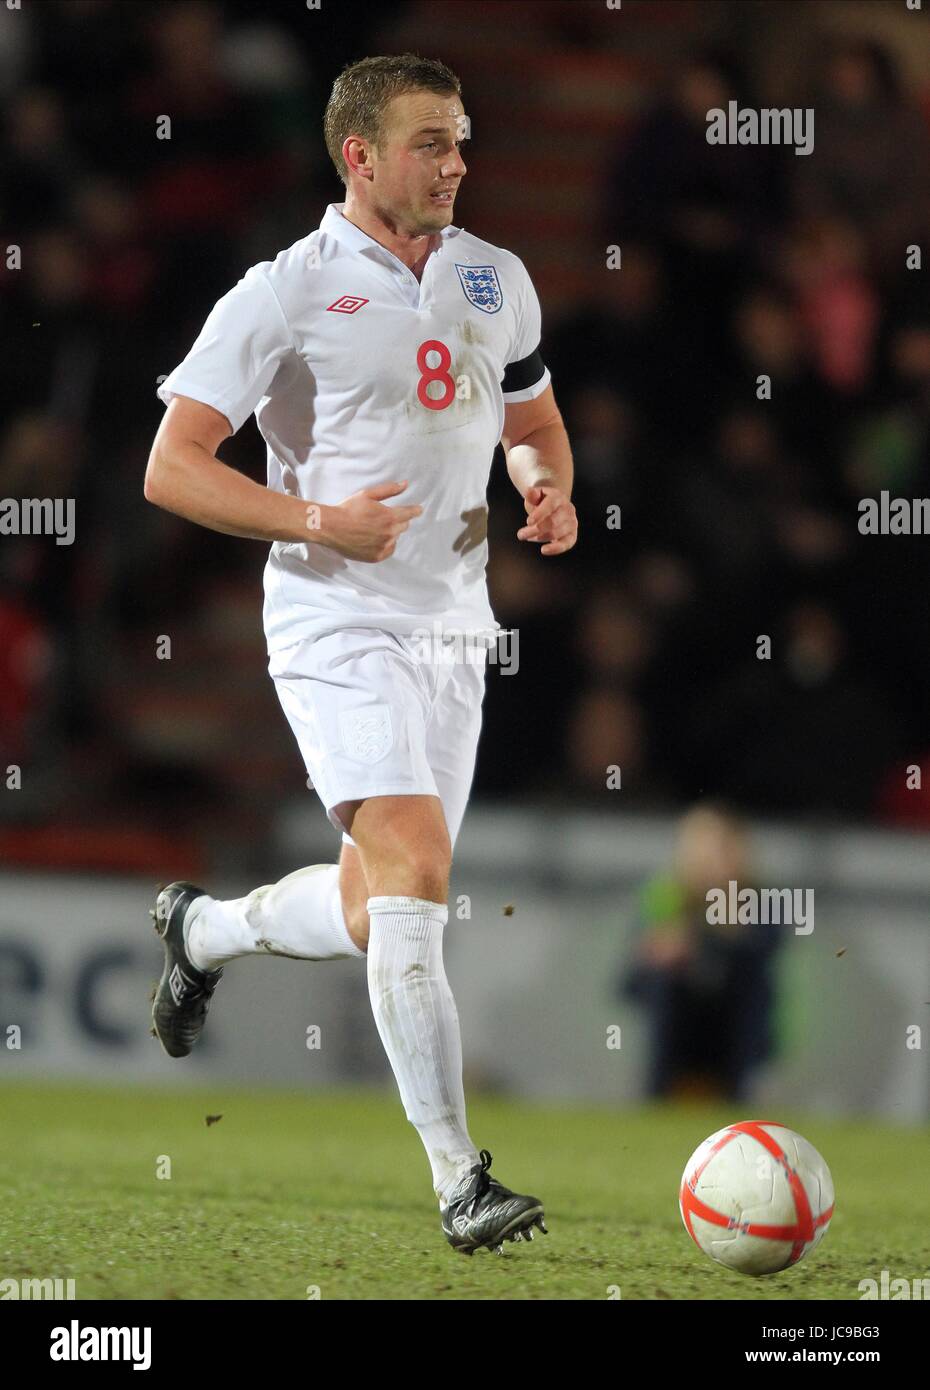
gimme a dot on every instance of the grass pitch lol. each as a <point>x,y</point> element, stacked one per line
<point>288,1193</point>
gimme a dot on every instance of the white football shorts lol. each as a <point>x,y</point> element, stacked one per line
<point>376,714</point>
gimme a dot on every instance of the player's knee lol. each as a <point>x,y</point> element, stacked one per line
<point>425,865</point>
<point>413,870</point>
<point>406,850</point>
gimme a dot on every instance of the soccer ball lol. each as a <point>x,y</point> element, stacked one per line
<point>756,1197</point>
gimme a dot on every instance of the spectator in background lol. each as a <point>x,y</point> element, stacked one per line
<point>25,654</point>
<point>707,989</point>
<point>802,729</point>
<point>890,451</point>
<point>630,335</point>
<point>606,745</point>
<point>39,162</point>
<point>608,726</point>
<point>768,340</point>
<point>837,302</point>
<point>705,206</point>
<point>872,150</point>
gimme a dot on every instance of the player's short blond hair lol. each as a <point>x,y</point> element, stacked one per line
<point>363,90</point>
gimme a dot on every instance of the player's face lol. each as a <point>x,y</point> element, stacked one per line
<point>418,168</point>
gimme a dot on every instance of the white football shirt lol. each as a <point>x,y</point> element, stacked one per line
<point>358,374</point>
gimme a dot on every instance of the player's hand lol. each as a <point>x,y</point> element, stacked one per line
<point>550,519</point>
<point>362,527</point>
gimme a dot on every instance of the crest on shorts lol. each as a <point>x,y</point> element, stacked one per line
<point>482,287</point>
<point>367,735</point>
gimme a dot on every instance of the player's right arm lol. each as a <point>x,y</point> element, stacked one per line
<point>184,476</point>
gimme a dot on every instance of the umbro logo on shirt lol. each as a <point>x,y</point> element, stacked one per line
<point>346,304</point>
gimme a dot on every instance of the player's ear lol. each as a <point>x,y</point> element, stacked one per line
<point>355,152</point>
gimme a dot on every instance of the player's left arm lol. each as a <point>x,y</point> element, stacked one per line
<point>539,462</point>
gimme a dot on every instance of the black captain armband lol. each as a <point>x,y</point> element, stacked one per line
<point>520,376</point>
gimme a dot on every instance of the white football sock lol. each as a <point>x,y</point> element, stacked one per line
<point>419,1027</point>
<point>300,916</point>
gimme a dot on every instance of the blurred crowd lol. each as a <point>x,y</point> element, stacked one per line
<point>738,515</point>
<point>130,229</point>
<point>640,650</point>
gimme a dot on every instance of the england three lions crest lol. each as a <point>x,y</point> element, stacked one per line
<point>482,287</point>
<point>367,734</point>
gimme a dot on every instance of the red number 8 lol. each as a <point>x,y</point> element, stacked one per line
<point>440,373</point>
